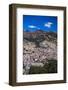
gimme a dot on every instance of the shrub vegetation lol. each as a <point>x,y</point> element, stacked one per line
<point>49,67</point>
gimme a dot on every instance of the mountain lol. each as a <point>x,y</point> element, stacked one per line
<point>40,36</point>
<point>38,48</point>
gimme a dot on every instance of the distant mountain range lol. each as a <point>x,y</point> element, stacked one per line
<point>40,36</point>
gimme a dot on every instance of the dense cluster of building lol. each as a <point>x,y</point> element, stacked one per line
<point>37,56</point>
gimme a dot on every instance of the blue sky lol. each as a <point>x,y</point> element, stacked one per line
<point>32,23</point>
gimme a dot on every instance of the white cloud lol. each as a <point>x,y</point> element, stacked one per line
<point>32,26</point>
<point>48,24</point>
